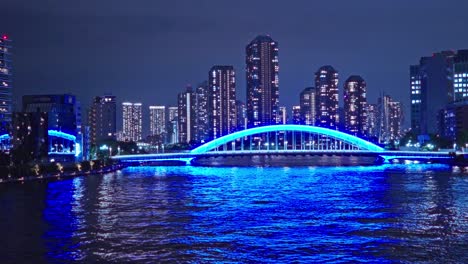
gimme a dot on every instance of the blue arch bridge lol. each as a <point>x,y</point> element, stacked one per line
<point>284,145</point>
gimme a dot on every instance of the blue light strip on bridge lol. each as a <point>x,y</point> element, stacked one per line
<point>361,143</point>
<point>4,137</point>
<point>61,134</point>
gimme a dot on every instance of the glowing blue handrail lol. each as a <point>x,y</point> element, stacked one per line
<point>61,134</point>
<point>361,143</point>
<point>4,137</point>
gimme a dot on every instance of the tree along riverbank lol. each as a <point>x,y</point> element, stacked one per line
<point>56,170</point>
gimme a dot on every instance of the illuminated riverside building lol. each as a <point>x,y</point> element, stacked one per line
<point>186,115</point>
<point>63,123</point>
<point>296,115</point>
<point>390,119</point>
<point>132,121</point>
<point>460,76</point>
<point>202,113</point>
<point>157,115</point>
<point>172,125</point>
<point>307,106</point>
<point>222,83</point>
<point>355,114</point>
<point>30,135</point>
<point>241,112</point>
<point>431,89</point>
<point>326,97</point>
<point>6,85</point>
<point>372,121</point>
<point>102,118</point>
<point>283,114</point>
<point>262,81</point>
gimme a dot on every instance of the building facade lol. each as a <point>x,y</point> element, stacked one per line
<point>326,97</point>
<point>6,85</point>
<point>283,114</point>
<point>222,85</point>
<point>390,119</point>
<point>308,107</point>
<point>241,112</point>
<point>102,118</point>
<point>132,115</point>
<point>157,120</point>
<point>172,125</point>
<point>186,115</point>
<point>372,121</point>
<point>62,119</point>
<point>296,115</point>
<point>460,76</point>
<point>262,69</point>
<point>355,106</point>
<point>431,89</point>
<point>203,112</point>
<point>454,123</point>
<point>30,137</point>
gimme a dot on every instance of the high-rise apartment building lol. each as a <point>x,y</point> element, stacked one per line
<point>241,112</point>
<point>172,125</point>
<point>222,83</point>
<point>326,97</point>
<point>390,119</point>
<point>296,115</point>
<point>431,88</point>
<point>372,121</point>
<point>186,115</point>
<point>157,120</point>
<point>102,118</point>
<point>6,84</point>
<point>262,81</point>
<point>283,115</point>
<point>203,112</point>
<point>308,107</point>
<point>355,103</point>
<point>460,76</point>
<point>132,121</point>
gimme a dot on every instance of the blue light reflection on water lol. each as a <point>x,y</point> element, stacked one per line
<point>375,214</point>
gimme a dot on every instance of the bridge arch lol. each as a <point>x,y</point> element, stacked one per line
<point>350,139</point>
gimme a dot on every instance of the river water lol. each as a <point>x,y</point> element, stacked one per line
<point>388,213</point>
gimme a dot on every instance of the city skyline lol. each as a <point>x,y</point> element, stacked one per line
<point>393,46</point>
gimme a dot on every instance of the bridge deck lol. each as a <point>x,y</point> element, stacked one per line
<point>186,156</point>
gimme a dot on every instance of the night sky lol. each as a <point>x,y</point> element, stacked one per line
<point>148,50</point>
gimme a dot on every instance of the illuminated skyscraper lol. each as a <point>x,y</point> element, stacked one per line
<point>262,81</point>
<point>390,119</point>
<point>6,84</point>
<point>172,125</point>
<point>326,97</point>
<point>296,115</point>
<point>102,118</point>
<point>307,103</point>
<point>460,76</point>
<point>132,121</point>
<point>157,120</point>
<point>372,118</point>
<point>222,83</point>
<point>283,115</point>
<point>241,112</point>
<point>355,114</point>
<point>202,113</point>
<point>431,88</point>
<point>186,115</point>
